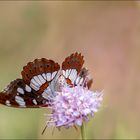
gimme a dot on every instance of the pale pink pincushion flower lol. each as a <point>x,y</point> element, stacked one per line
<point>73,105</point>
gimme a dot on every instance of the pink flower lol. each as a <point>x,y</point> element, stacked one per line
<point>73,105</point>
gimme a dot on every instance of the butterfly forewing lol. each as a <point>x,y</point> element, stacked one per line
<point>39,73</point>
<point>72,66</point>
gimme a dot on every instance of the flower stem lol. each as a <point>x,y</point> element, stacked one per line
<point>83,134</point>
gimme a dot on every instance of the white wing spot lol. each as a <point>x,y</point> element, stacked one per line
<point>41,79</point>
<point>46,93</point>
<point>19,98</point>
<point>44,76</point>
<point>37,80</point>
<point>77,80</point>
<point>63,71</point>
<point>7,103</point>
<point>28,89</point>
<point>34,82</point>
<point>34,86</point>
<point>20,90</point>
<point>48,75</point>
<point>34,101</point>
<point>20,101</point>
<point>81,81</point>
<point>73,75</point>
<point>67,73</point>
<point>53,74</point>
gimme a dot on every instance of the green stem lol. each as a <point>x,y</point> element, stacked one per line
<point>83,134</point>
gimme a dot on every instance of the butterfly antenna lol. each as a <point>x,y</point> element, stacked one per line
<point>75,128</point>
<point>44,129</point>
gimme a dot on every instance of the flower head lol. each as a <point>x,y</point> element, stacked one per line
<point>73,105</point>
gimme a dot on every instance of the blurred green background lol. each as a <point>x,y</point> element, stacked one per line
<point>106,33</point>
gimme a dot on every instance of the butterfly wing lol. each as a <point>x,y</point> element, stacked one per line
<point>83,79</point>
<point>18,94</point>
<point>73,71</point>
<point>72,66</point>
<point>39,72</point>
<point>35,88</point>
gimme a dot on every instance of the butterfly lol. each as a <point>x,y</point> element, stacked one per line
<point>41,79</point>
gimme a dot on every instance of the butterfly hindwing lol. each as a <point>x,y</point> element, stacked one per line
<point>19,94</point>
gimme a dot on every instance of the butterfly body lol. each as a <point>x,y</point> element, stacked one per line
<point>41,79</point>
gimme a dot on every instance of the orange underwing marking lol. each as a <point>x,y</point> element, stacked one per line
<point>69,81</point>
<point>42,88</point>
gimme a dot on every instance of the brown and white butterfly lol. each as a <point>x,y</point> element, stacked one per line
<point>41,78</point>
